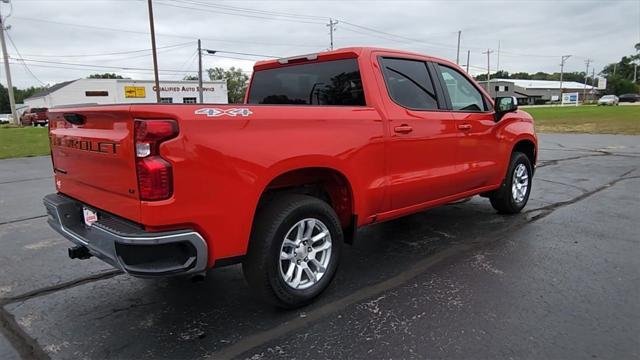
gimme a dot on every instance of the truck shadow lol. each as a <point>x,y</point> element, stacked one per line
<point>175,318</point>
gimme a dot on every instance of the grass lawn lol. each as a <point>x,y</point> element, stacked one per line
<point>587,119</point>
<point>29,141</point>
<point>20,142</point>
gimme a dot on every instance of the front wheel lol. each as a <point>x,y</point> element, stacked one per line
<point>514,192</point>
<point>294,250</point>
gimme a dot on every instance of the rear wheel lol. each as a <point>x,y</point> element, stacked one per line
<point>294,250</point>
<point>514,192</point>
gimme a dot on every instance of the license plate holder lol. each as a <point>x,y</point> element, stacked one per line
<point>89,215</point>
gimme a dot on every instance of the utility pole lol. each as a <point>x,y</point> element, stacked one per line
<point>153,49</point>
<point>488,52</point>
<point>331,26</point>
<point>7,70</point>
<point>468,56</point>
<point>498,62</point>
<point>586,73</point>
<point>593,77</point>
<point>200,71</point>
<point>564,58</point>
<point>458,52</point>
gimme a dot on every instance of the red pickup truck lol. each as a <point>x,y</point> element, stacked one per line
<point>323,144</point>
<point>34,117</point>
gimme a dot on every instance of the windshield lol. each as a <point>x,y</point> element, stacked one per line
<point>334,82</point>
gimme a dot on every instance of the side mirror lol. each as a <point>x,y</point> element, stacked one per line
<point>505,105</point>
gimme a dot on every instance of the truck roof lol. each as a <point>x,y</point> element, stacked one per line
<point>342,53</point>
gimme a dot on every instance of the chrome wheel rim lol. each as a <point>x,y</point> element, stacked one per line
<point>520,183</point>
<point>305,254</point>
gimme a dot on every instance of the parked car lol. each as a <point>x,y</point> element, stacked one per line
<point>608,100</point>
<point>34,117</point>
<point>629,98</point>
<point>323,145</point>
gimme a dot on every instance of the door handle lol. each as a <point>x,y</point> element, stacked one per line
<point>403,129</point>
<point>464,127</point>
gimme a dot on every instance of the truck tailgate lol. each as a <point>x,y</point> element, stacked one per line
<point>93,157</point>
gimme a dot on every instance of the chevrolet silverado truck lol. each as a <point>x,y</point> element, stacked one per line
<point>323,144</point>
<point>34,117</point>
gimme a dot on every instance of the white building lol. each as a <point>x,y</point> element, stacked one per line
<point>530,92</point>
<point>117,91</point>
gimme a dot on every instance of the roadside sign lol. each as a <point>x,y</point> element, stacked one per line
<point>602,83</point>
<point>134,92</point>
<point>570,98</point>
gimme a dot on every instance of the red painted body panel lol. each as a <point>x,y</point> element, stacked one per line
<point>222,165</point>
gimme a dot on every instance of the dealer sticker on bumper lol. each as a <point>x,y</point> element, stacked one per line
<point>90,216</point>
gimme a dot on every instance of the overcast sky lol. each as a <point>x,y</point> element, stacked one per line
<point>61,37</point>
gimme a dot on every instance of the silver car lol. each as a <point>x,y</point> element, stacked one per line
<point>608,100</point>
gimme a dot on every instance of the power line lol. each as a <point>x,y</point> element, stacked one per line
<point>257,11</point>
<point>100,68</point>
<point>110,53</point>
<point>125,68</point>
<point>265,16</point>
<point>23,63</point>
<point>103,28</point>
<point>237,14</point>
<point>396,36</point>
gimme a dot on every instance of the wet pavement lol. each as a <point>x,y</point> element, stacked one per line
<point>560,280</point>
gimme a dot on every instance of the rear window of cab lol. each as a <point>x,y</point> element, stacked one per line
<point>330,83</point>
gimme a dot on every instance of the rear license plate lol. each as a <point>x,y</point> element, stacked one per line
<point>90,216</point>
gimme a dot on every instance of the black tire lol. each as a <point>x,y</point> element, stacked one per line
<point>272,223</point>
<point>502,199</point>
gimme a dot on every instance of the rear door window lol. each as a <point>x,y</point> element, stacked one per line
<point>409,83</point>
<point>331,83</point>
<point>463,95</point>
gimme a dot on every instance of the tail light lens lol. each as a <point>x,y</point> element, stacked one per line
<point>155,176</point>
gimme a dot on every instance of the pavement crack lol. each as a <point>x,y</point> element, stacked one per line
<point>24,180</point>
<point>564,184</point>
<point>549,209</point>
<point>544,163</point>
<point>117,310</point>
<point>62,286</point>
<point>26,346</point>
<point>23,219</point>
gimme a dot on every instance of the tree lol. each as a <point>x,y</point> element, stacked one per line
<point>20,95</point>
<point>105,76</point>
<point>618,86</point>
<point>521,76</point>
<point>623,68</point>
<point>237,82</point>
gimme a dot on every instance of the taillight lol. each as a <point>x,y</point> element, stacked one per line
<point>155,177</point>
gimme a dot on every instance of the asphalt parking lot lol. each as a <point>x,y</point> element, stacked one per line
<point>561,280</point>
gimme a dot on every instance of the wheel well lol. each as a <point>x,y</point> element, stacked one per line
<point>326,184</point>
<point>528,148</point>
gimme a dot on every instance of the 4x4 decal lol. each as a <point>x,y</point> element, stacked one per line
<point>215,112</point>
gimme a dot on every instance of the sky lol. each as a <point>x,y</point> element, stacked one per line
<point>50,41</point>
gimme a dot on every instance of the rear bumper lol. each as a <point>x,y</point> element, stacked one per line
<point>126,245</point>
